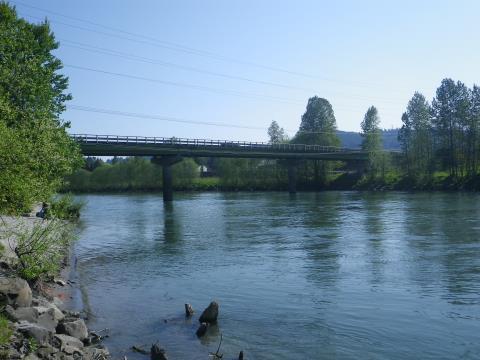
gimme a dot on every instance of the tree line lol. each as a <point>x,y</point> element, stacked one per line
<point>439,141</point>
<point>443,134</point>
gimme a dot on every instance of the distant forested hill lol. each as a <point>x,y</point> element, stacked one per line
<point>352,139</point>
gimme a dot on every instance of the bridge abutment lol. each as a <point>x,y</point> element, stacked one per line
<point>167,179</point>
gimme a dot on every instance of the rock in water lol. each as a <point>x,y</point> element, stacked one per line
<point>188,310</point>
<point>157,353</point>
<point>240,356</point>
<point>202,329</point>
<point>210,314</point>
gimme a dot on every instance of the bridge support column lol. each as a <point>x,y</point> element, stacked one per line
<point>292,177</point>
<point>167,181</point>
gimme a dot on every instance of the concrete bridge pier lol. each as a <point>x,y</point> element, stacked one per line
<point>166,162</point>
<point>292,176</point>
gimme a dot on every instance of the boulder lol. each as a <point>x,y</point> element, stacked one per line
<point>39,333</point>
<point>60,341</point>
<point>202,329</point>
<point>44,303</point>
<point>157,353</point>
<point>15,291</point>
<point>46,351</point>
<point>210,314</point>
<point>8,255</point>
<point>76,328</point>
<point>31,357</point>
<point>188,310</point>
<point>45,317</point>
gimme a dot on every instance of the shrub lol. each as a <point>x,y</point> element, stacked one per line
<point>65,207</point>
<point>40,247</point>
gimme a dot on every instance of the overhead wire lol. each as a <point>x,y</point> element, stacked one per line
<point>187,85</point>
<point>178,47</point>
<point>119,54</point>
<point>178,120</point>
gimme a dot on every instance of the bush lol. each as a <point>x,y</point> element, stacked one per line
<point>40,248</point>
<point>65,207</point>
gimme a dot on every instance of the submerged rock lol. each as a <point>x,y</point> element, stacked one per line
<point>188,310</point>
<point>157,353</point>
<point>15,292</point>
<point>202,329</point>
<point>210,314</point>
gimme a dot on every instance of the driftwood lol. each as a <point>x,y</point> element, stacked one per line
<point>217,355</point>
<point>140,350</point>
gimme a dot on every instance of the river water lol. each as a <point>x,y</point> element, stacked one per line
<point>333,275</point>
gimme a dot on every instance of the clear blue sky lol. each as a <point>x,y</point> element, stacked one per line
<point>353,53</point>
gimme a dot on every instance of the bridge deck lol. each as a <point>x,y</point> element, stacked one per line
<point>111,145</point>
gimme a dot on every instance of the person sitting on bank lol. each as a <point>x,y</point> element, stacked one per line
<point>43,211</point>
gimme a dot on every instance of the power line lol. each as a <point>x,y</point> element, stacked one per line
<point>177,120</point>
<point>186,85</point>
<point>200,88</point>
<point>158,117</point>
<point>119,54</point>
<point>178,47</point>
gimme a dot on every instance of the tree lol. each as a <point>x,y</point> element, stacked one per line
<point>372,140</point>
<point>318,127</point>
<point>450,118</point>
<point>276,133</point>
<point>32,97</point>
<point>416,137</point>
<point>474,122</point>
<point>405,139</point>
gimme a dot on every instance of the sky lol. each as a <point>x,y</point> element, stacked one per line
<point>221,69</point>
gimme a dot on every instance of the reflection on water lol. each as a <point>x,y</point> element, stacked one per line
<point>318,275</point>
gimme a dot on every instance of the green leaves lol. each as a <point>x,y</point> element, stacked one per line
<point>35,149</point>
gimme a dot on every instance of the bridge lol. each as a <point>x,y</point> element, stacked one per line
<point>168,151</point>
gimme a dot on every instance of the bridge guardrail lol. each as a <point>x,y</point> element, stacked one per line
<point>204,143</point>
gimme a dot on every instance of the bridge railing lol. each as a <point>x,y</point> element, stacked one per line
<point>203,143</point>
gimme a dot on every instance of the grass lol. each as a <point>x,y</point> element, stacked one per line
<point>206,183</point>
<point>5,330</point>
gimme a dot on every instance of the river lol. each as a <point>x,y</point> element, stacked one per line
<point>333,275</point>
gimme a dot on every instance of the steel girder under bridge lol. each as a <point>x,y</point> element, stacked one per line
<point>168,151</point>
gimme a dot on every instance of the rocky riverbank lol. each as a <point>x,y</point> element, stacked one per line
<point>39,324</point>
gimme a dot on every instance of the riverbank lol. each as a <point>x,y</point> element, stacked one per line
<point>344,182</point>
<point>37,316</point>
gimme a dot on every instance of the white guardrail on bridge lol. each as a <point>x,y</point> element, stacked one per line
<point>203,143</point>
